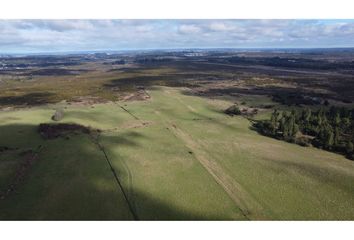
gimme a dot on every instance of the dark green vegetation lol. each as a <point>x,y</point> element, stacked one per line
<point>145,136</point>
<point>233,110</point>
<point>331,129</point>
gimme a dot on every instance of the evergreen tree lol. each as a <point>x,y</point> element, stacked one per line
<point>337,119</point>
<point>291,123</point>
<point>331,129</point>
<point>329,138</point>
<point>286,128</point>
<point>295,129</point>
<point>306,115</point>
<point>282,124</point>
<point>319,120</point>
<point>274,121</point>
<point>336,137</point>
<point>345,122</point>
<point>349,147</point>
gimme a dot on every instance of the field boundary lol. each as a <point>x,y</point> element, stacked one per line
<point>125,195</point>
<point>126,110</point>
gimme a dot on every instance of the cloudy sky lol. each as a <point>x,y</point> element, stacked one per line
<point>30,36</point>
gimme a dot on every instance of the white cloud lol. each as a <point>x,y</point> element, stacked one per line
<point>220,26</point>
<point>56,35</point>
<point>187,29</point>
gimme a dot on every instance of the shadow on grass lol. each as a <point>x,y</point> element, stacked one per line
<point>71,180</point>
<point>324,174</point>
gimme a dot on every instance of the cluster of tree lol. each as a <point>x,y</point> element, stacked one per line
<point>152,60</point>
<point>298,98</point>
<point>303,63</point>
<point>331,129</point>
<point>117,62</point>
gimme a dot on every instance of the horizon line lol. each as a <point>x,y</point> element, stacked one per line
<point>166,49</point>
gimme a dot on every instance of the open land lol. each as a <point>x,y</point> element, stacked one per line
<point>144,136</point>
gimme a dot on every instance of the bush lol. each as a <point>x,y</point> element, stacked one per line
<point>58,115</point>
<point>233,110</point>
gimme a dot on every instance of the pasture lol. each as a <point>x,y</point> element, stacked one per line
<point>172,157</point>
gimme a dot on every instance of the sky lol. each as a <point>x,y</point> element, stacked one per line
<point>36,36</point>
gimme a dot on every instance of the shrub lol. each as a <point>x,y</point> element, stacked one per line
<point>233,110</point>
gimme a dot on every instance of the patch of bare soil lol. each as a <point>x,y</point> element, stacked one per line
<point>52,131</point>
<point>140,95</point>
<point>29,157</point>
<point>86,101</point>
<point>6,109</point>
<point>139,124</point>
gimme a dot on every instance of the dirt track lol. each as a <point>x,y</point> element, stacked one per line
<point>247,205</point>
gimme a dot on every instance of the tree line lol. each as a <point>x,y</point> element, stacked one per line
<point>330,129</point>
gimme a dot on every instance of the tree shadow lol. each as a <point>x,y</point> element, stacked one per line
<point>325,174</point>
<point>71,180</point>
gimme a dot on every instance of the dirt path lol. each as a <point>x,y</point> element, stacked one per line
<point>245,202</point>
<point>140,124</point>
<point>248,206</point>
<point>180,101</point>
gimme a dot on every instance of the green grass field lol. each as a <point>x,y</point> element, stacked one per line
<point>176,157</point>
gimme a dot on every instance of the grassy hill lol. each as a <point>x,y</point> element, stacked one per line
<point>171,157</point>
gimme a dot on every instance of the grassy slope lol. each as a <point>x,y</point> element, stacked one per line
<point>286,180</point>
<point>191,162</point>
<point>70,180</point>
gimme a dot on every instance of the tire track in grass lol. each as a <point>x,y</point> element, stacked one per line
<point>192,109</point>
<point>130,179</point>
<point>247,205</point>
<point>250,208</point>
